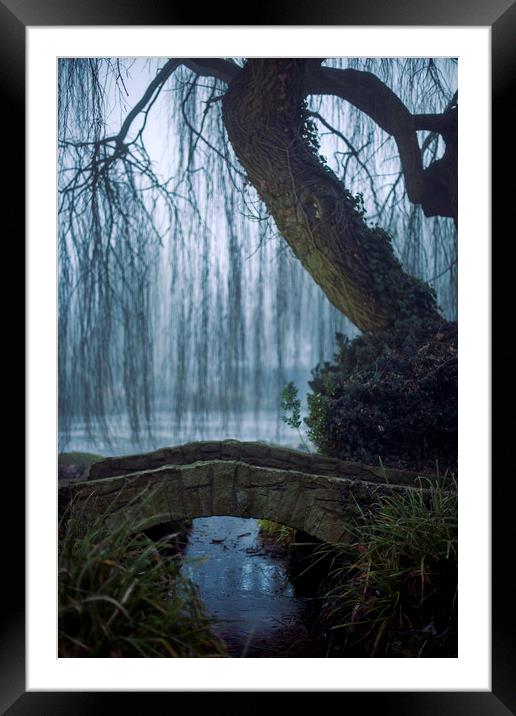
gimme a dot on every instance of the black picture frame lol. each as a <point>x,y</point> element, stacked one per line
<point>15,16</point>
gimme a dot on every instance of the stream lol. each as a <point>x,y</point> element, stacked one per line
<point>241,576</point>
<point>244,585</point>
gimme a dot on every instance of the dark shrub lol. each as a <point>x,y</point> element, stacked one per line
<point>390,395</point>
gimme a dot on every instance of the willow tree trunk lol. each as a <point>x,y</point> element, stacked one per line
<point>269,128</point>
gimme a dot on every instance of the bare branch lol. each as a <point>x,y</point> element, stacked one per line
<point>369,94</point>
<point>153,88</point>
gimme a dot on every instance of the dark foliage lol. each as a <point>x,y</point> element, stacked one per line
<point>392,591</point>
<point>121,593</point>
<point>390,395</point>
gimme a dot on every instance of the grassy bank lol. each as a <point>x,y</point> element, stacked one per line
<point>393,590</point>
<point>122,594</point>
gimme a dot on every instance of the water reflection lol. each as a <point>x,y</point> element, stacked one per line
<point>246,589</point>
<point>242,586</point>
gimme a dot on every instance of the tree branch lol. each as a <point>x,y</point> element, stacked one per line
<point>353,263</point>
<point>369,94</point>
<point>444,124</point>
<point>154,87</point>
<point>225,70</point>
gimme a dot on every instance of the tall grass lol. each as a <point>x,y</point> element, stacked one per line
<point>393,590</point>
<point>276,532</point>
<point>122,594</point>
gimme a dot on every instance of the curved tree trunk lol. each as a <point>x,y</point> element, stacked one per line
<point>267,124</point>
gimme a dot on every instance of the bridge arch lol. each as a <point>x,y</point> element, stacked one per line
<point>320,505</point>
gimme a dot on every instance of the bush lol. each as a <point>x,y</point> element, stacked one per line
<point>122,595</point>
<point>393,591</point>
<point>389,395</point>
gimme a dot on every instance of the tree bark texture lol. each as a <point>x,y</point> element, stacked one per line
<point>268,126</point>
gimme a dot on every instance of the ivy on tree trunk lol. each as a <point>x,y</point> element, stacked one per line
<point>271,133</point>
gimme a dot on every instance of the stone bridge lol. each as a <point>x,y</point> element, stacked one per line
<point>312,493</point>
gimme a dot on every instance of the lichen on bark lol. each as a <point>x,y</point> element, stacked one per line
<point>265,116</point>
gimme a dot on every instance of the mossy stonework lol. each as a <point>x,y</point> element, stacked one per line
<point>269,128</point>
<point>299,496</point>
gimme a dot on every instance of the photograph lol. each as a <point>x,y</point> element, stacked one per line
<point>257,357</point>
<point>258,352</point>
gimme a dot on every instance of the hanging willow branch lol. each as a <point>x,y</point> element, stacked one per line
<point>128,322</point>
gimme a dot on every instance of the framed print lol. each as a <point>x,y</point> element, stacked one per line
<point>192,298</point>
